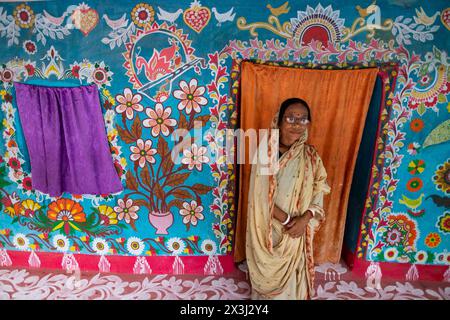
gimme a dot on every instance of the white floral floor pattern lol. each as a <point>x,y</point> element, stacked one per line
<point>24,284</point>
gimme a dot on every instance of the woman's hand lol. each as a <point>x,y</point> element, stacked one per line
<point>296,228</point>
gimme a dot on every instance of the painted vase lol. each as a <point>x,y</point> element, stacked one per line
<point>161,221</point>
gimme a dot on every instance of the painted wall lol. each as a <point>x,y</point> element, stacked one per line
<point>179,61</point>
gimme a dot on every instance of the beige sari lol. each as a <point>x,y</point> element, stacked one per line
<point>281,267</point>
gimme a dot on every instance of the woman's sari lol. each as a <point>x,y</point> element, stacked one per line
<point>281,267</point>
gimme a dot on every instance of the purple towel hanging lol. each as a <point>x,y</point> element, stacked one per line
<point>66,140</point>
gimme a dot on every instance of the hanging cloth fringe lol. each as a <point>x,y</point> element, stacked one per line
<point>34,260</point>
<point>104,265</point>
<point>141,266</point>
<point>5,260</point>
<point>373,276</point>
<point>69,263</point>
<point>413,273</point>
<point>178,266</point>
<point>447,275</point>
<point>213,266</point>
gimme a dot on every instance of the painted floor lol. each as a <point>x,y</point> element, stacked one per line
<point>333,282</point>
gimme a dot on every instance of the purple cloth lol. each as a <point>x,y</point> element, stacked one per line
<point>66,139</point>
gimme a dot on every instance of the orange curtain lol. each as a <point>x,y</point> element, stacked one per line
<point>339,100</point>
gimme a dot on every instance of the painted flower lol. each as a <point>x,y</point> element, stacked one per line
<point>416,125</point>
<point>195,157</point>
<point>390,254</point>
<point>421,257</point>
<point>135,246</point>
<point>101,75</point>
<point>75,70</point>
<point>29,207</point>
<point>406,226</point>
<point>21,241</point>
<point>393,237</point>
<point>209,247</point>
<point>176,245</point>
<point>126,210</point>
<point>191,213</point>
<point>161,96</point>
<point>30,69</point>
<point>439,258</point>
<point>68,212</point>
<point>442,177</point>
<point>6,75</point>
<point>128,103</point>
<point>29,47</point>
<point>142,14</point>
<point>413,148</point>
<point>12,204</point>
<point>14,163</point>
<point>425,80</point>
<point>443,223</point>
<point>159,120</point>
<point>61,243</point>
<point>26,184</point>
<point>143,152</point>
<point>433,240</point>
<point>100,246</point>
<point>24,16</point>
<point>191,96</point>
<point>414,184</point>
<point>416,166</point>
<point>107,215</point>
<point>109,119</point>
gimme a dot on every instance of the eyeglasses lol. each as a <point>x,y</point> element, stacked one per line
<point>294,120</point>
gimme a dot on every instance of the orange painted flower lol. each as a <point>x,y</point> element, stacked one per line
<point>414,184</point>
<point>68,212</point>
<point>433,240</point>
<point>406,226</point>
<point>416,125</point>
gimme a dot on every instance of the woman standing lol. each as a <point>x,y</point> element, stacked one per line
<point>285,210</point>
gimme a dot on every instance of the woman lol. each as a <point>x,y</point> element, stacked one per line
<point>285,209</point>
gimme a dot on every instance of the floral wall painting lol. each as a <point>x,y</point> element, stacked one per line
<point>162,67</point>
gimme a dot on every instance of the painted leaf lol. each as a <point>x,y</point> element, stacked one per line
<point>201,188</point>
<point>125,135</point>
<point>142,203</point>
<point>180,193</point>
<point>136,128</point>
<point>158,191</point>
<point>131,182</point>
<point>163,151</point>
<point>177,203</point>
<point>182,123</point>
<point>438,135</point>
<point>145,175</point>
<point>203,119</point>
<point>176,179</point>
<point>163,147</point>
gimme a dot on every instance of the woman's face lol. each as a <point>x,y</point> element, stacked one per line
<point>294,123</point>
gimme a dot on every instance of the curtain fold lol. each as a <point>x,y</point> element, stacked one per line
<point>339,101</point>
<point>66,140</point>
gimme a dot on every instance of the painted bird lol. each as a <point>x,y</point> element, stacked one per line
<point>280,10</point>
<point>411,203</point>
<point>116,24</point>
<point>422,17</point>
<point>222,17</point>
<point>58,21</point>
<point>364,12</point>
<point>169,16</point>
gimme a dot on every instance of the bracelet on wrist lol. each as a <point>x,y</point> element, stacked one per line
<point>288,219</point>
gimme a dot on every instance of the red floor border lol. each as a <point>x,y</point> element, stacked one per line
<point>120,264</point>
